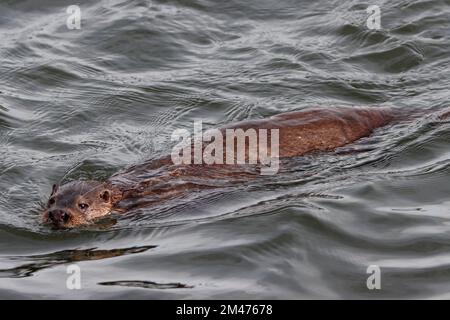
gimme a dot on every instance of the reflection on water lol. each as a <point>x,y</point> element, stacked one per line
<point>84,104</point>
<point>44,261</point>
<point>145,284</point>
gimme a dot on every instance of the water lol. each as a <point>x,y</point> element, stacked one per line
<point>87,103</point>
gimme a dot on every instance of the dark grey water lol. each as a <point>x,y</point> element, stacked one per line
<point>86,103</point>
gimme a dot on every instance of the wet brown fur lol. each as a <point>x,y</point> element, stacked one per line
<point>300,133</point>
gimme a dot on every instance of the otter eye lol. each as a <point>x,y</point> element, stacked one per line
<point>83,206</point>
<point>51,201</point>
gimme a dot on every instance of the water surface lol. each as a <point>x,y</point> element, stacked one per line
<point>83,104</point>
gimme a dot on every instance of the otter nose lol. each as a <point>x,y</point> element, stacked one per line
<point>58,216</point>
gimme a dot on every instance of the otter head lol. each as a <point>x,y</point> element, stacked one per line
<point>77,203</point>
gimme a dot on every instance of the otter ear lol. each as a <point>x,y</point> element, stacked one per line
<point>105,195</point>
<point>54,189</point>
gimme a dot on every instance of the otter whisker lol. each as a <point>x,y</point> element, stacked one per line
<point>93,189</point>
<point>68,172</point>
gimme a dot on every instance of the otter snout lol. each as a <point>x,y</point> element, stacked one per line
<point>58,216</point>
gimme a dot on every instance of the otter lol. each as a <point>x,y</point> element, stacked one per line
<point>80,203</point>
